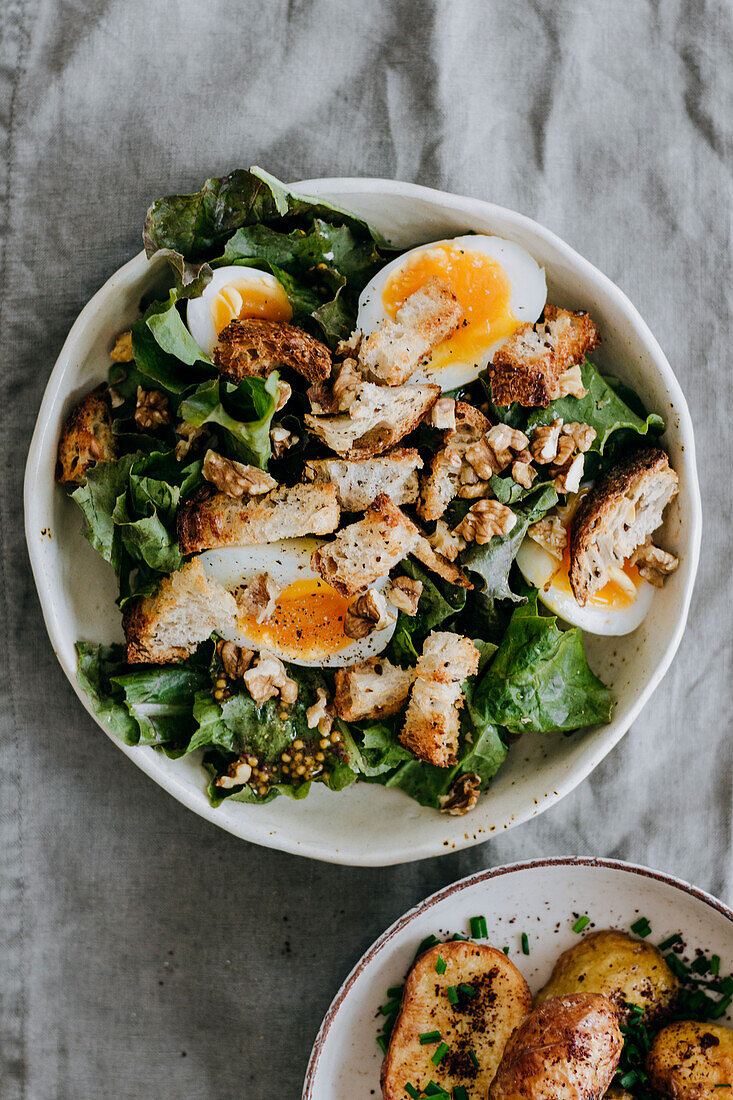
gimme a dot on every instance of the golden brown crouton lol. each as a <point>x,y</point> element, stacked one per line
<point>377,418</point>
<point>257,347</point>
<point>617,516</point>
<point>432,721</point>
<point>396,348</point>
<point>359,481</point>
<point>186,608</point>
<point>86,438</point>
<point>372,689</point>
<point>527,368</point>
<point>447,467</point>
<point>210,520</point>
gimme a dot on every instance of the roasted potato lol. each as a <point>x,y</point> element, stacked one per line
<point>627,971</point>
<point>480,1024</point>
<point>567,1049</point>
<point>688,1060</point>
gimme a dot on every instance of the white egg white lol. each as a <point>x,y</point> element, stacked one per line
<point>286,561</point>
<point>528,297</point>
<point>538,567</point>
<point>199,316</point>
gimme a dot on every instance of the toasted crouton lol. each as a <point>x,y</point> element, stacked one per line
<point>257,347</point>
<point>371,547</point>
<point>359,481</point>
<point>527,368</point>
<point>444,480</point>
<point>378,417</point>
<point>372,689</point>
<point>210,520</point>
<point>616,518</point>
<point>187,607</point>
<point>478,1024</point>
<point>394,350</point>
<point>86,438</point>
<point>433,714</point>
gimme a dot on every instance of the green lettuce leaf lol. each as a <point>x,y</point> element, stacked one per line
<point>161,701</point>
<point>96,665</point>
<point>97,498</point>
<point>171,334</point>
<point>244,411</point>
<point>439,601</point>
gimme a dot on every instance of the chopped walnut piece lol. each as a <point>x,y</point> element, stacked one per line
<point>350,347</point>
<point>495,450</point>
<point>367,613</point>
<point>236,775</point>
<point>235,659</point>
<point>122,351</point>
<point>654,565</point>
<point>570,383</point>
<point>404,594</point>
<point>267,678</point>
<point>320,714</point>
<point>257,599</point>
<point>443,414</point>
<point>152,409</point>
<point>234,478</point>
<point>189,438</point>
<point>462,796</point>
<point>569,478</point>
<point>545,442</point>
<point>347,379</point>
<point>446,542</point>
<point>484,519</point>
<point>522,470</point>
<point>582,435</point>
<point>284,393</point>
<point>550,533</point>
<point>281,440</point>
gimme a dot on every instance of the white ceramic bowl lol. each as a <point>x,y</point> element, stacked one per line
<point>542,898</point>
<point>367,824</point>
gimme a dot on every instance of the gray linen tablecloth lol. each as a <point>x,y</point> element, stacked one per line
<point>144,953</point>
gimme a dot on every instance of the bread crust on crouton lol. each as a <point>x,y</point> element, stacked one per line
<point>432,722</point>
<point>86,437</point>
<point>360,481</point>
<point>209,520</point>
<point>527,368</point>
<point>372,689</point>
<point>257,347</point>
<point>617,516</point>
<point>378,418</point>
<point>186,608</point>
<point>395,349</point>
<point>443,481</point>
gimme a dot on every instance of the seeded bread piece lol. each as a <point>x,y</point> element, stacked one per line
<point>86,438</point>
<point>372,689</point>
<point>396,348</point>
<point>186,608</point>
<point>481,1023</point>
<point>359,481</point>
<point>257,347</point>
<point>377,419</point>
<point>432,721</point>
<point>528,366</point>
<point>371,547</point>
<point>444,479</point>
<point>617,516</point>
<point>210,520</point>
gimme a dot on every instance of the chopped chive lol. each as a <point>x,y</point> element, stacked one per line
<point>464,987</point>
<point>459,1093</point>
<point>474,1059</point>
<point>429,1037</point>
<point>721,1086</point>
<point>525,943</point>
<point>458,936</point>
<point>439,1054</point>
<point>505,950</point>
<point>715,965</point>
<point>388,1009</point>
<point>452,994</point>
<point>479,931</point>
<point>678,968</point>
<point>670,942</point>
<point>629,1079</point>
<point>382,1043</point>
<point>700,965</point>
<point>721,1008</point>
<point>431,1089</point>
<point>641,927</point>
<point>395,992</point>
<point>581,923</point>
<point>441,965</point>
<point>412,1091</point>
<point>429,941</point>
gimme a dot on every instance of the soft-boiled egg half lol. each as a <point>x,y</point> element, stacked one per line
<point>617,608</point>
<point>498,284</point>
<point>235,293</point>
<point>306,625</point>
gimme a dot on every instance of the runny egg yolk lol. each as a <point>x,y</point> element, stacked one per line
<point>244,299</point>
<point>614,593</point>
<point>307,621</point>
<point>479,283</point>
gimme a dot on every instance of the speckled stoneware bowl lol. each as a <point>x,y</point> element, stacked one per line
<point>366,824</point>
<point>542,898</point>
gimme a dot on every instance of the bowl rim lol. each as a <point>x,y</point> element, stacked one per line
<point>246,826</point>
<point>465,883</point>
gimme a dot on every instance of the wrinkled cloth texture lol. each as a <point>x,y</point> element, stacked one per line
<point>143,952</point>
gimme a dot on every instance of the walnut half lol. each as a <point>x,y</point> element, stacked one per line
<point>484,520</point>
<point>152,409</point>
<point>267,679</point>
<point>462,796</point>
<point>235,478</point>
<point>404,594</point>
<point>654,565</point>
<point>367,613</point>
